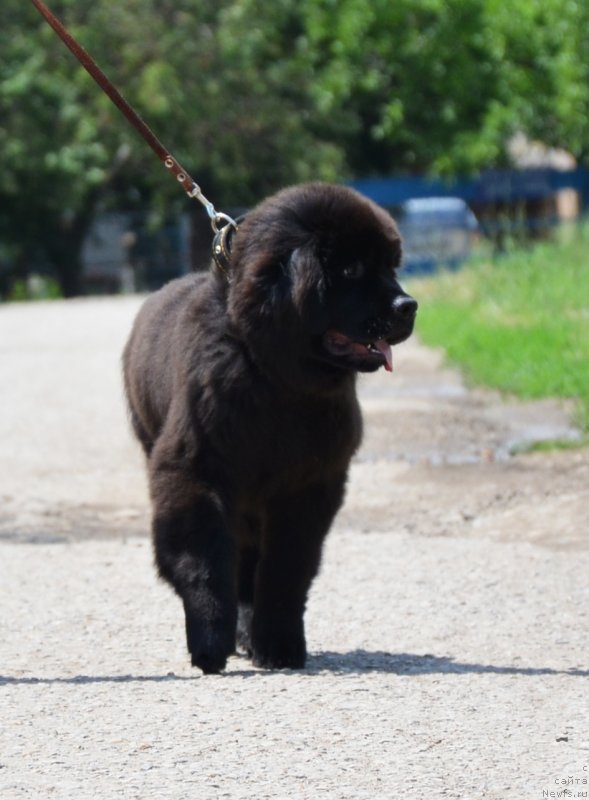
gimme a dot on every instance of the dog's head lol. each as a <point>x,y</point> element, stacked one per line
<point>314,281</point>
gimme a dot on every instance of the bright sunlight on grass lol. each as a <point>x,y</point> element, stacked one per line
<point>519,324</point>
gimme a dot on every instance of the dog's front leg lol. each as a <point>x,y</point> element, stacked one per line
<point>289,560</point>
<point>195,553</point>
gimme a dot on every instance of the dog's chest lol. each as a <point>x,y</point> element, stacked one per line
<point>272,443</point>
<point>321,435</point>
<point>306,450</point>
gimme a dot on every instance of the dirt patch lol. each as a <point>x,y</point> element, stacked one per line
<point>438,460</point>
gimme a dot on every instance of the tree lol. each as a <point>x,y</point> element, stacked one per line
<point>543,47</point>
<point>58,155</point>
<point>426,85</point>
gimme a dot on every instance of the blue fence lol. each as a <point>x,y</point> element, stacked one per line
<point>436,217</point>
<point>489,187</point>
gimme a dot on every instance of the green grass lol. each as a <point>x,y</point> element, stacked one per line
<point>519,324</point>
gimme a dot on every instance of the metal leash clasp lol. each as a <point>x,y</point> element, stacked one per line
<point>218,218</point>
<point>193,190</point>
<point>223,225</point>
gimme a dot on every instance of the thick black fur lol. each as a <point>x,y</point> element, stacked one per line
<point>243,398</point>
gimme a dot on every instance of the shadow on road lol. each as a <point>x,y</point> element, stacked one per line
<point>411,664</point>
<point>352,663</point>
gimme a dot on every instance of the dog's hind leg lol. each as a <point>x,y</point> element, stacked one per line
<point>246,580</point>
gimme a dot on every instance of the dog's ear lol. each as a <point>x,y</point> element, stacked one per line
<point>281,290</point>
<point>308,285</point>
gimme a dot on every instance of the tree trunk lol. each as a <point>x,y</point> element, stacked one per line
<point>65,253</point>
<point>65,250</point>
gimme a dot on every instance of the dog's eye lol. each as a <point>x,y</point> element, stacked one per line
<point>354,271</point>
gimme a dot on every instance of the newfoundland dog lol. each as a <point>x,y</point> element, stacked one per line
<point>241,389</point>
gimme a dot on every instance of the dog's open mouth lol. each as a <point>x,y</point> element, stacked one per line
<point>378,352</point>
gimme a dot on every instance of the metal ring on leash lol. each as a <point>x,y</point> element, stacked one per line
<point>219,220</point>
<point>222,244</point>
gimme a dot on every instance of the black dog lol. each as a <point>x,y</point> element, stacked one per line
<point>243,397</point>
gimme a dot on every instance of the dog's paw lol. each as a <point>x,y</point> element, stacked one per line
<point>210,647</point>
<point>209,663</point>
<point>279,651</point>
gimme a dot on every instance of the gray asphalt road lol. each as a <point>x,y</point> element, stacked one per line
<point>448,630</point>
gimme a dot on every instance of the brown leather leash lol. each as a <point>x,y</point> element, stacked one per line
<point>223,225</point>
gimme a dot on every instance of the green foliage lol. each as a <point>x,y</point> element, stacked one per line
<point>520,325</point>
<point>410,96</point>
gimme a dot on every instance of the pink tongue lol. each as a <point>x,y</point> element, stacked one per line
<point>385,349</point>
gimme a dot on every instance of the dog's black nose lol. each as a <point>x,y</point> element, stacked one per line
<point>405,306</point>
